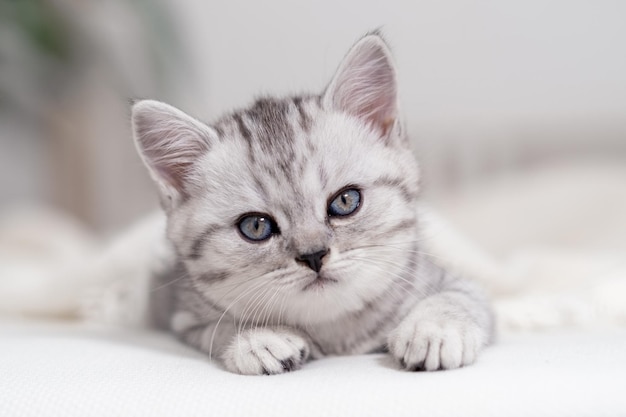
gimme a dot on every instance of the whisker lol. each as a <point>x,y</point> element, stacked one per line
<point>400,248</point>
<point>270,307</point>
<point>167,284</point>
<point>263,304</point>
<point>374,262</point>
<point>254,304</point>
<point>224,314</point>
<point>247,312</point>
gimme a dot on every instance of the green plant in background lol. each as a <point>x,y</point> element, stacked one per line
<point>41,24</point>
<point>46,45</point>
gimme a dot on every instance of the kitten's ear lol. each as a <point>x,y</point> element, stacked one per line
<point>365,84</point>
<point>169,142</point>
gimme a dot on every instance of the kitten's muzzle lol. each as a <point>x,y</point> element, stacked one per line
<point>312,260</point>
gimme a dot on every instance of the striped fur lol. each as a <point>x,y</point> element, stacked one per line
<point>253,304</point>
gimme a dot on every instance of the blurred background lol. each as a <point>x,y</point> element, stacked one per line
<point>491,90</point>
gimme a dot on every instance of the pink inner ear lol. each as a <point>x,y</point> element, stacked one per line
<point>175,174</point>
<point>171,142</point>
<point>173,153</point>
<point>365,85</point>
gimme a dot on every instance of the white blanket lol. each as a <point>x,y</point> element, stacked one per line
<point>67,370</point>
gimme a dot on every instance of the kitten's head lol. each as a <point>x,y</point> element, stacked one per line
<point>300,207</point>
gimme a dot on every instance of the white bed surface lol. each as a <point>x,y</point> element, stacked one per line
<point>66,369</point>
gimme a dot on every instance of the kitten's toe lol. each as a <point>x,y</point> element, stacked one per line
<point>265,351</point>
<point>453,345</point>
<point>430,346</point>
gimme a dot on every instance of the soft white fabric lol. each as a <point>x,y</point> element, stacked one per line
<point>40,249</point>
<point>61,369</point>
<point>549,245</point>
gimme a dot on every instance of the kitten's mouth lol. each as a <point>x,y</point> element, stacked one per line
<point>319,282</point>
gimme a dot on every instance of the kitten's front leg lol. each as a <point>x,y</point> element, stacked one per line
<point>446,330</point>
<point>251,351</point>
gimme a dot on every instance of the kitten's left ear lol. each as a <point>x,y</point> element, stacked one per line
<point>365,84</point>
<point>170,143</point>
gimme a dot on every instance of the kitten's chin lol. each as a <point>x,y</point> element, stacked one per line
<point>326,297</point>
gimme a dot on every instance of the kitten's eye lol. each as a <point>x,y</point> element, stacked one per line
<point>346,202</point>
<point>257,227</point>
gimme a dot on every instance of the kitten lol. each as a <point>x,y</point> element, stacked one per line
<point>295,229</point>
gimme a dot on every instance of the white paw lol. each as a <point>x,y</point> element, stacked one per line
<point>421,343</point>
<point>265,351</point>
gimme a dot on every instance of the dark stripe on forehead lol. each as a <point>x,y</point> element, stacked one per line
<point>305,121</point>
<point>272,127</point>
<point>219,130</point>
<point>274,134</point>
<point>285,167</point>
<point>243,129</point>
<point>246,134</point>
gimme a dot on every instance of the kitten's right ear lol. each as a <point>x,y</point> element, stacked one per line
<point>365,84</point>
<point>169,142</point>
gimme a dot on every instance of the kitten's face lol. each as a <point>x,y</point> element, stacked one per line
<point>302,208</point>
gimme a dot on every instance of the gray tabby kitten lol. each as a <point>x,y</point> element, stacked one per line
<point>294,223</point>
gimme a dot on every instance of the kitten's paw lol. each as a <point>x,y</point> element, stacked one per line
<point>266,351</point>
<point>420,343</point>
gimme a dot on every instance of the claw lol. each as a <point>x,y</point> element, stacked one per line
<point>287,364</point>
<point>418,367</point>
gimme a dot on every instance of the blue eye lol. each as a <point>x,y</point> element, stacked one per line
<point>346,202</point>
<point>257,227</point>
